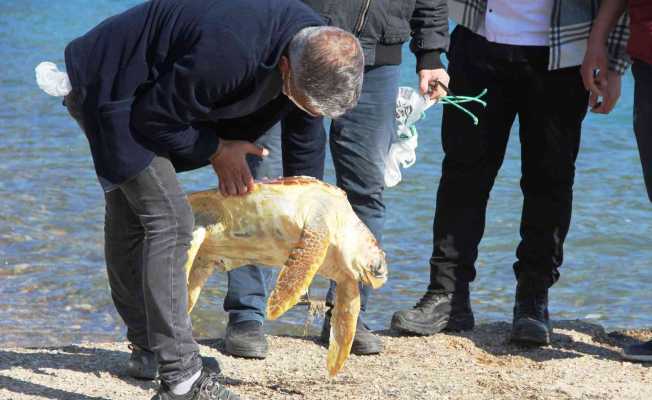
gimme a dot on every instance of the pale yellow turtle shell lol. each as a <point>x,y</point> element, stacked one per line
<point>301,225</point>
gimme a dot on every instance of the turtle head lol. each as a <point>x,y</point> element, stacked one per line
<point>368,259</point>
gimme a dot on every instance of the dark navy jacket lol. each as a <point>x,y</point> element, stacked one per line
<point>168,76</point>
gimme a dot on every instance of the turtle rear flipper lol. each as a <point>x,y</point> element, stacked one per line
<point>300,268</point>
<point>343,324</point>
<point>196,272</point>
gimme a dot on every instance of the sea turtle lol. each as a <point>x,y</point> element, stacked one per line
<point>300,224</point>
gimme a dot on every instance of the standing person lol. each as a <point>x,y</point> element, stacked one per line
<point>527,55</point>
<point>359,142</point>
<point>171,84</point>
<point>596,60</point>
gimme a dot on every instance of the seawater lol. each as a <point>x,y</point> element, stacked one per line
<point>53,286</point>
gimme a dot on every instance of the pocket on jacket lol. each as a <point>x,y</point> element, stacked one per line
<point>395,36</point>
<point>116,135</point>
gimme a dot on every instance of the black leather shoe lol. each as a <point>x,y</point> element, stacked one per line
<point>436,312</point>
<point>531,325</point>
<point>364,341</point>
<point>142,364</point>
<point>246,339</point>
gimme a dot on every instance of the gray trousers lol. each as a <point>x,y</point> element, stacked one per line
<point>147,233</point>
<point>148,229</point>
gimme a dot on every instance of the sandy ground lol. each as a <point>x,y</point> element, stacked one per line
<point>582,363</point>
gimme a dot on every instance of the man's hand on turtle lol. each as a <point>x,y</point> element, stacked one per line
<point>230,165</point>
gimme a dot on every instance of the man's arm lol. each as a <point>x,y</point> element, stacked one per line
<point>164,114</point>
<point>169,114</point>
<point>429,25</point>
<point>603,62</point>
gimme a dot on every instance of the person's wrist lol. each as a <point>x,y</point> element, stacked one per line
<point>598,36</point>
<point>218,151</point>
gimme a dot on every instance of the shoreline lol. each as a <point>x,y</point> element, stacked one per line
<point>582,362</point>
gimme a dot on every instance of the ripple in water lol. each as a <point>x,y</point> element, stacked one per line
<point>53,286</point>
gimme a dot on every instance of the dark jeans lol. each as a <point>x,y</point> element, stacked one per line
<point>148,228</point>
<point>550,106</point>
<point>643,118</point>
<point>359,142</point>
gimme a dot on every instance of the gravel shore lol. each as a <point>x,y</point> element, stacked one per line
<point>582,363</point>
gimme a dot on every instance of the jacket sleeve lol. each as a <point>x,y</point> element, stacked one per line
<point>619,60</point>
<point>170,114</point>
<point>254,125</point>
<point>429,24</point>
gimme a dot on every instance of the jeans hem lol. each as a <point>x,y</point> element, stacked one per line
<point>184,376</point>
<point>235,317</point>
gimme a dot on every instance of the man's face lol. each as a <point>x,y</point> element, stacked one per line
<point>289,88</point>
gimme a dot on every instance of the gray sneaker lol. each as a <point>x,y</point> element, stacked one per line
<point>206,387</point>
<point>638,352</point>
<point>142,364</point>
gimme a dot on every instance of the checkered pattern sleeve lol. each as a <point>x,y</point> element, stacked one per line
<point>617,46</point>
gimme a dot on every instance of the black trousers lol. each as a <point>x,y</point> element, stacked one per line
<point>643,118</point>
<point>550,106</point>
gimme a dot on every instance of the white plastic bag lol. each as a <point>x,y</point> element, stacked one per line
<point>51,80</point>
<point>410,107</point>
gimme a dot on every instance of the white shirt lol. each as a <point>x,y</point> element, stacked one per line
<point>518,22</point>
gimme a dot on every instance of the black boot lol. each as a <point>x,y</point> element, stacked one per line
<point>142,364</point>
<point>364,341</point>
<point>436,312</point>
<point>531,323</point>
<point>246,339</point>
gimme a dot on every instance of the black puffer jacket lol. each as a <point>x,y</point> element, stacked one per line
<point>383,25</point>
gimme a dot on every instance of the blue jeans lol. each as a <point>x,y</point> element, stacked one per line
<point>643,118</point>
<point>359,142</point>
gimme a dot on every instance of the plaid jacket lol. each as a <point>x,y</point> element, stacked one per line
<point>570,25</point>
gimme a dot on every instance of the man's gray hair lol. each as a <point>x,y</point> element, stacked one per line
<point>327,65</point>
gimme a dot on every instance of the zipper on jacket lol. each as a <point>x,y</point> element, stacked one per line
<point>362,17</point>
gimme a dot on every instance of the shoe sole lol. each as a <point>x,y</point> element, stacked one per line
<point>631,357</point>
<point>362,350</point>
<point>142,377</point>
<point>246,352</point>
<point>458,324</point>
<point>524,335</point>
<point>358,350</point>
<point>530,340</point>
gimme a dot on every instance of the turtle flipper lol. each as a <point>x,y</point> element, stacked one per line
<point>343,324</point>
<point>300,268</point>
<point>196,274</point>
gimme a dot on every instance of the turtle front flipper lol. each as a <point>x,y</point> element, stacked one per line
<point>344,321</point>
<point>300,268</point>
<point>197,273</point>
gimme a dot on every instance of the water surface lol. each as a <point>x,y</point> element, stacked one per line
<point>53,286</point>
